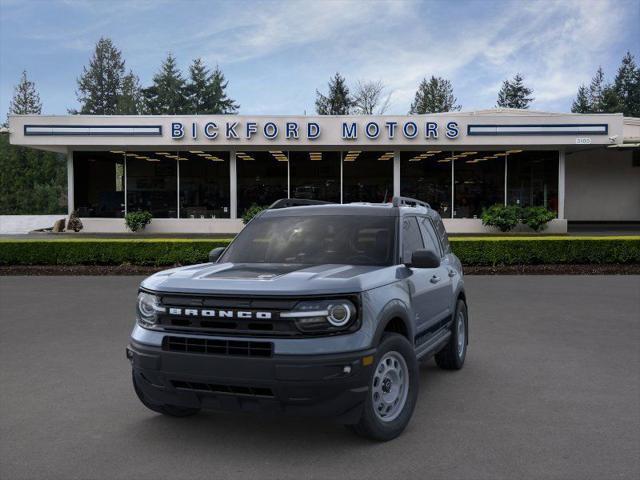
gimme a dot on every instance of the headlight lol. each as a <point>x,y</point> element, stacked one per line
<point>323,316</point>
<point>148,308</point>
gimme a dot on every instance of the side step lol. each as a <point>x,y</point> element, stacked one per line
<point>434,344</point>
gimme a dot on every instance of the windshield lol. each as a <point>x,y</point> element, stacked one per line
<point>315,240</point>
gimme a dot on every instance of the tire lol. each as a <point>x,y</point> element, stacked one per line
<point>452,356</point>
<point>169,410</point>
<point>395,354</point>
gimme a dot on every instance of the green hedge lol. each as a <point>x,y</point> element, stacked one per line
<point>470,250</point>
<point>545,250</point>
<point>107,251</point>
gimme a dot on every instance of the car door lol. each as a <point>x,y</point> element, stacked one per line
<point>443,287</point>
<point>423,283</point>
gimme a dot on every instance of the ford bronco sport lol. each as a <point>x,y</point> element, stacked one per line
<point>319,309</point>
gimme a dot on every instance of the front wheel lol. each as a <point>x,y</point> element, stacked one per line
<point>452,356</point>
<point>393,390</point>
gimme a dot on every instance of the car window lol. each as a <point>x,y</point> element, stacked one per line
<point>431,241</point>
<point>411,238</point>
<point>442,234</point>
<point>315,240</point>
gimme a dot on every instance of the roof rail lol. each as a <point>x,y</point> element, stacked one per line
<point>408,201</point>
<point>296,202</point>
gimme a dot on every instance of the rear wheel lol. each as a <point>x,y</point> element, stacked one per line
<point>452,356</point>
<point>165,409</point>
<point>393,390</point>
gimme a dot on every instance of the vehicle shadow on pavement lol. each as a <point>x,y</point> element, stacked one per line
<point>251,430</point>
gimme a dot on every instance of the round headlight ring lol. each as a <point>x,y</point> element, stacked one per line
<point>146,307</point>
<point>339,314</point>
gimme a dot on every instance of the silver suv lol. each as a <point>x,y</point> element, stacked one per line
<point>313,309</point>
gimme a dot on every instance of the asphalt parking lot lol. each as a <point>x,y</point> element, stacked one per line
<point>551,389</point>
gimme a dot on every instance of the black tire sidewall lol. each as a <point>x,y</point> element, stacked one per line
<point>461,306</point>
<point>375,427</point>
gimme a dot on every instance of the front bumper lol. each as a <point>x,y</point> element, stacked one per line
<point>319,385</point>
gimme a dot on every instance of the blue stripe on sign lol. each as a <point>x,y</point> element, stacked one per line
<point>93,130</point>
<point>538,129</point>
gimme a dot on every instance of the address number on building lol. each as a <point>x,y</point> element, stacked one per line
<point>583,141</point>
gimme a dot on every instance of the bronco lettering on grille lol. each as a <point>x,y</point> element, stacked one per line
<point>241,314</point>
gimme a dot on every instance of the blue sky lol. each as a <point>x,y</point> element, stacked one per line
<point>275,54</point>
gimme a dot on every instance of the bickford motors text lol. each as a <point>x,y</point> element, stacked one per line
<point>272,130</point>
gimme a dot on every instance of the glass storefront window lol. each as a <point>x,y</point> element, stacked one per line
<point>315,175</point>
<point>152,183</point>
<point>532,179</point>
<point>262,178</point>
<point>426,175</point>
<point>478,182</point>
<point>99,184</point>
<point>367,176</point>
<point>204,184</point>
<point>151,180</point>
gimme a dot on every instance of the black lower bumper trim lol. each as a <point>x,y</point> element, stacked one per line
<point>317,385</point>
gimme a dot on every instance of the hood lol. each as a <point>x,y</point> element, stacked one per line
<point>271,279</point>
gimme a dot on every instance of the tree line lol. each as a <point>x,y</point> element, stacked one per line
<point>106,88</point>
<point>435,95</point>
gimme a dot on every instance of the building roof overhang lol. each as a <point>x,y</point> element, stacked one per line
<point>480,128</point>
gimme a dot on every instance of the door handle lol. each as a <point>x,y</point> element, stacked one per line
<point>452,272</point>
<point>435,279</point>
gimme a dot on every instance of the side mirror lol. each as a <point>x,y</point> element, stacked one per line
<point>424,259</point>
<point>214,254</point>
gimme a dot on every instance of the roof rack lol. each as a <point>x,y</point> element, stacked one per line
<point>408,201</point>
<point>296,202</point>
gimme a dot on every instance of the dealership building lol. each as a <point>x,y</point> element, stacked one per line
<point>201,173</point>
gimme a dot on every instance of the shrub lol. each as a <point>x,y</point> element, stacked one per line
<point>546,250</point>
<point>501,216</point>
<point>537,217</point>
<point>251,212</point>
<point>74,222</point>
<point>137,220</point>
<point>471,250</point>
<point>72,251</point>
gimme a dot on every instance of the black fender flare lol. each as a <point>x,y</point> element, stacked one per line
<point>394,309</point>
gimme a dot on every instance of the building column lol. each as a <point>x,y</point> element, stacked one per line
<point>506,171</point>
<point>70,191</point>
<point>177,188</point>
<point>396,173</point>
<point>233,185</point>
<point>341,176</point>
<point>561,177</point>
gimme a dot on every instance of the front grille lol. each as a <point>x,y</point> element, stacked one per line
<point>229,389</point>
<point>274,326</point>
<point>217,347</point>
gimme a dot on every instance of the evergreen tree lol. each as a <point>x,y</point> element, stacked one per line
<point>130,100</point>
<point>206,91</point>
<point>338,100</point>
<point>514,94</point>
<point>627,86</point>
<point>596,92</point>
<point>167,94</point>
<point>25,98</point>
<point>31,181</point>
<point>196,90</point>
<point>611,102</point>
<point>99,86</point>
<point>221,103</point>
<point>433,96</point>
<point>581,104</point>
